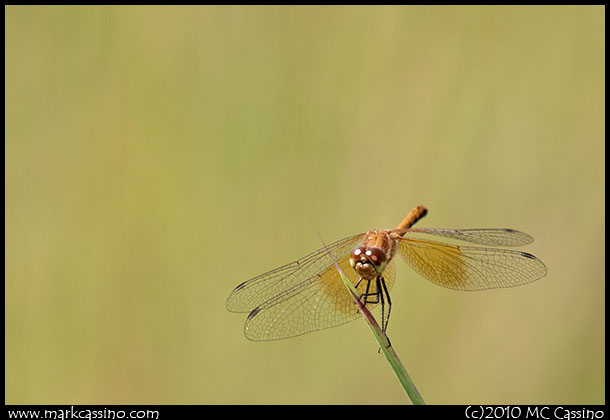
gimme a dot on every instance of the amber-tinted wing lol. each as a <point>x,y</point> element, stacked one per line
<point>285,281</point>
<point>472,268</point>
<point>307,295</point>
<point>490,237</point>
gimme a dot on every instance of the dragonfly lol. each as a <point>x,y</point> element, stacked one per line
<point>308,295</point>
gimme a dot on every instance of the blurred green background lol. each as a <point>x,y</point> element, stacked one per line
<point>156,157</point>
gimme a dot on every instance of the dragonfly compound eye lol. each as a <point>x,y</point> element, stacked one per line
<point>375,255</point>
<point>357,255</point>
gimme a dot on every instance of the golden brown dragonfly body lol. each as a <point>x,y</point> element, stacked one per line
<point>308,295</point>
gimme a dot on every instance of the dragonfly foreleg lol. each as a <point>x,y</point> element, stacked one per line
<point>369,297</point>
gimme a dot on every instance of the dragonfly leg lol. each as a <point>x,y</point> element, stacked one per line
<point>380,298</point>
<point>366,292</point>
<point>370,297</point>
<point>385,318</point>
<point>381,280</point>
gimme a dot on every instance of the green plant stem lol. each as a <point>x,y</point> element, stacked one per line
<point>384,344</point>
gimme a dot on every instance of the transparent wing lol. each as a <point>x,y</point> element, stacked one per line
<point>490,237</point>
<point>319,304</point>
<point>289,279</point>
<point>470,268</point>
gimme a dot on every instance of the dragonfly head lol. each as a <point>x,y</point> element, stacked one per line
<point>368,262</point>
